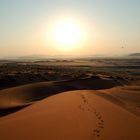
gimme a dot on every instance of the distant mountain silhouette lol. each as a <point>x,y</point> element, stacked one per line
<point>37,57</point>
<point>45,57</point>
<point>33,57</point>
<point>135,54</point>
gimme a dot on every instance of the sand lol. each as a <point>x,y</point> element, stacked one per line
<point>81,111</point>
<point>23,95</point>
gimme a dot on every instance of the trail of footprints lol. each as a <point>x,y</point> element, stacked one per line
<point>100,126</point>
<point>100,121</point>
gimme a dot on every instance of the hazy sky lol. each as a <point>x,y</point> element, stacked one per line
<point>110,24</point>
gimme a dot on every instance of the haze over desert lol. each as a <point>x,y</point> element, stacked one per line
<point>69,70</point>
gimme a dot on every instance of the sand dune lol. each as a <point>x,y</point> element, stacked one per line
<point>86,109</point>
<point>73,115</point>
<point>17,97</point>
<point>127,96</point>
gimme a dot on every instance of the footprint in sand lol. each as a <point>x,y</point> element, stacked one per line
<point>97,132</point>
<point>85,106</point>
<point>81,107</point>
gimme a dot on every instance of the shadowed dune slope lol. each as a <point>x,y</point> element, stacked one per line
<point>24,95</point>
<point>127,96</point>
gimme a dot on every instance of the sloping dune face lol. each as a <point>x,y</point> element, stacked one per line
<point>27,94</point>
<point>127,96</point>
<point>73,115</point>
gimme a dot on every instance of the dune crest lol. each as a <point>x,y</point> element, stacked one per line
<point>21,96</point>
<point>71,115</point>
<point>85,109</point>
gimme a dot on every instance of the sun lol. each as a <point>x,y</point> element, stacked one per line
<point>67,34</point>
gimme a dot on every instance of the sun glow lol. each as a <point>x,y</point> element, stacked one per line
<point>67,34</point>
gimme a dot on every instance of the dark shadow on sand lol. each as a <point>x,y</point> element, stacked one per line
<point>4,112</point>
<point>35,92</point>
